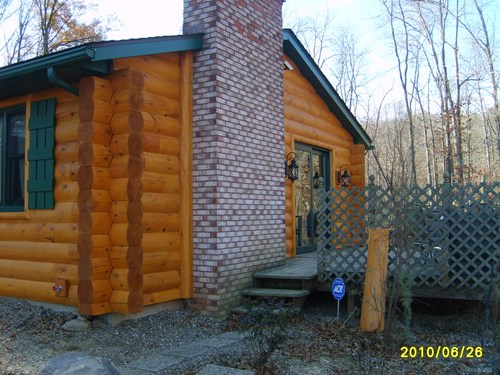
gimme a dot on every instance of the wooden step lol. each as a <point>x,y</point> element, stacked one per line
<point>283,293</point>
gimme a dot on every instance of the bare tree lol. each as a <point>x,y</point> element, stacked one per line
<point>348,66</point>
<point>403,53</point>
<point>60,25</point>
<point>46,26</point>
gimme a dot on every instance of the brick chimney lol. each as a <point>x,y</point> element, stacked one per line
<point>238,147</point>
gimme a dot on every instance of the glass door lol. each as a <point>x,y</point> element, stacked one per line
<point>314,175</point>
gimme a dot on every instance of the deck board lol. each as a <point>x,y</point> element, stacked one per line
<point>301,267</point>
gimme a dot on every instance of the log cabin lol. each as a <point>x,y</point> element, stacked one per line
<point>143,171</point>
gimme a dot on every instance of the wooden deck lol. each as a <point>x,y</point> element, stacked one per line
<point>302,267</point>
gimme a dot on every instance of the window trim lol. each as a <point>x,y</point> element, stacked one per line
<point>4,112</point>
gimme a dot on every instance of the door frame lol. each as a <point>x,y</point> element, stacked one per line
<point>326,166</point>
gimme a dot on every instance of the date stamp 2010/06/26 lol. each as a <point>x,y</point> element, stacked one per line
<point>441,351</point>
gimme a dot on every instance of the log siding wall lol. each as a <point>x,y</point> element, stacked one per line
<point>120,233</point>
<point>309,120</point>
<point>37,247</point>
<point>149,169</point>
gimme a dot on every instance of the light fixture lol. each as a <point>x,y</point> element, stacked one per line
<point>316,178</point>
<point>343,177</point>
<point>292,169</point>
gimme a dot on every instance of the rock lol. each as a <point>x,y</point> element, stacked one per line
<point>75,363</point>
<point>77,325</point>
<point>99,323</point>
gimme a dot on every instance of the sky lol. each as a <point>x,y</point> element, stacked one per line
<point>137,22</point>
<point>140,21</point>
<point>164,17</point>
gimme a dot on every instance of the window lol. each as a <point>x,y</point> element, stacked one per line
<point>12,146</point>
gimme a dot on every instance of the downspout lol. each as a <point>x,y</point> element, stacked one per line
<point>55,80</point>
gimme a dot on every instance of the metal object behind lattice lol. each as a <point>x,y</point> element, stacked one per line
<point>446,237</point>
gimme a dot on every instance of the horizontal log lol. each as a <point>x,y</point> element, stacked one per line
<point>153,65</point>
<point>161,164</point>
<point>119,144</point>
<point>126,166</point>
<point>66,192</point>
<point>160,86</point>
<point>63,212</point>
<point>126,301</point>
<point>312,105</point>
<point>160,105</point>
<point>94,132</point>
<point>95,110</point>
<point>126,234</point>
<point>127,100</point>
<point>98,178</point>
<point>37,271</point>
<point>161,125</point>
<point>94,268</point>
<point>126,189</point>
<point>329,123</point>
<point>68,111</point>
<point>120,123</point>
<point>154,83</point>
<point>160,262</point>
<point>119,166</point>
<point>39,232</point>
<point>161,144</point>
<point>39,252</point>
<point>118,212</point>
<point>163,296</point>
<point>36,291</point>
<point>299,82</point>
<point>159,183</point>
<point>127,144</point>
<point>66,171</point>
<point>309,133</point>
<point>154,222</point>
<point>161,281</point>
<point>94,309</point>
<point>67,131</point>
<point>66,152</point>
<point>119,79</point>
<point>156,242</point>
<point>126,279</point>
<point>125,257</point>
<point>94,223</point>
<point>93,200</point>
<point>94,246</point>
<point>94,155</point>
<point>94,291</point>
<point>159,202</point>
<point>96,88</point>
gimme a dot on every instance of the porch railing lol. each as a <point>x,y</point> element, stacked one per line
<point>447,237</point>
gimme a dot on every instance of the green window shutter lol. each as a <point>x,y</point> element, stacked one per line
<point>41,154</point>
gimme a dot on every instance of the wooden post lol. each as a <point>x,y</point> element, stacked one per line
<point>373,308</point>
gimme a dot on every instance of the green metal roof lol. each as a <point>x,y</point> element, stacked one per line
<point>88,59</point>
<point>309,69</point>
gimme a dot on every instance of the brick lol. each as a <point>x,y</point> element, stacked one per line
<point>238,147</point>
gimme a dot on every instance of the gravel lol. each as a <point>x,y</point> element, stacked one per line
<point>314,343</point>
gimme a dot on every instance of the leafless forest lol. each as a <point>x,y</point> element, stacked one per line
<point>447,116</point>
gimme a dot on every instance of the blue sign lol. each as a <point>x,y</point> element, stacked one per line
<point>338,288</point>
